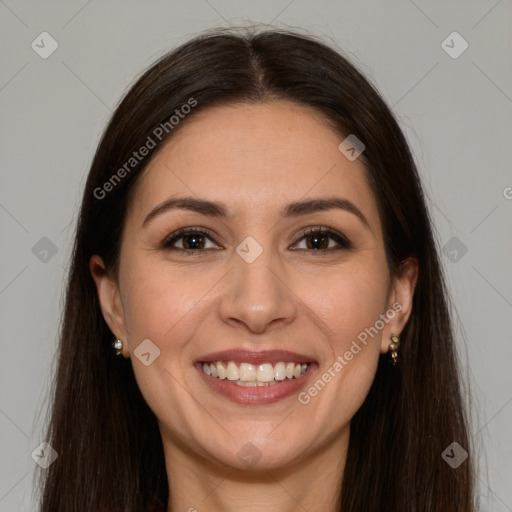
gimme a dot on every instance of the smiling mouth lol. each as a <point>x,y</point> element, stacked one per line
<point>254,375</point>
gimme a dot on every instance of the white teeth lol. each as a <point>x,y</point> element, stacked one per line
<point>221,370</point>
<point>232,371</point>
<point>265,373</point>
<point>280,371</point>
<point>255,383</point>
<point>247,374</point>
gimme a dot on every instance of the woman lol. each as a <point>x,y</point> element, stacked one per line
<point>255,316</point>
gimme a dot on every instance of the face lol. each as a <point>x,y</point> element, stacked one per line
<point>294,303</point>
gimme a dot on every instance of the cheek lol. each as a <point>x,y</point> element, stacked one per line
<point>347,301</point>
<point>156,299</point>
<point>167,309</point>
<point>349,304</point>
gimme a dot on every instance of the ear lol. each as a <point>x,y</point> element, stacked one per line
<point>399,301</point>
<point>109,299</point>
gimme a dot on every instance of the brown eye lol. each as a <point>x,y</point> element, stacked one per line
<point>318,240</point>
<point>191,241</point>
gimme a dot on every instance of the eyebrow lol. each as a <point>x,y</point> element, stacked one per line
<point>292,210</point>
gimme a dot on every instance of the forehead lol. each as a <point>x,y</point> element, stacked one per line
<point>254,157</point>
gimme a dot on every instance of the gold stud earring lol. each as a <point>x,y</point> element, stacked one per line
<point>393,348</point>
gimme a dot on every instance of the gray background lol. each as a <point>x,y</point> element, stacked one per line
<point>456,113</point>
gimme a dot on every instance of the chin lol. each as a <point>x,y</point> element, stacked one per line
<point>246,453</point>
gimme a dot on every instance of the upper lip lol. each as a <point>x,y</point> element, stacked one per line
<point>256,356</point>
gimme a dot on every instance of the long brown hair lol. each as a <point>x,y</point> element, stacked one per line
<point>110,454</point>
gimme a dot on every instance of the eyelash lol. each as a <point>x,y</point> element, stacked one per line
<point>343,242</point>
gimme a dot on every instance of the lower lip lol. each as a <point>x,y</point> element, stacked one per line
<point>258,394</point>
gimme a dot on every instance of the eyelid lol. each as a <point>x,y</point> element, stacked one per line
<point>342,241</point>
<point>167,241</point>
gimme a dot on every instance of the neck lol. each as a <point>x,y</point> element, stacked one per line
<point>311,484</point>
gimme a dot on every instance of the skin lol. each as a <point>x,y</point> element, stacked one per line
<point>256,159</point>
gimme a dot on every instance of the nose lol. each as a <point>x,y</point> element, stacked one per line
<point>258,297</point>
